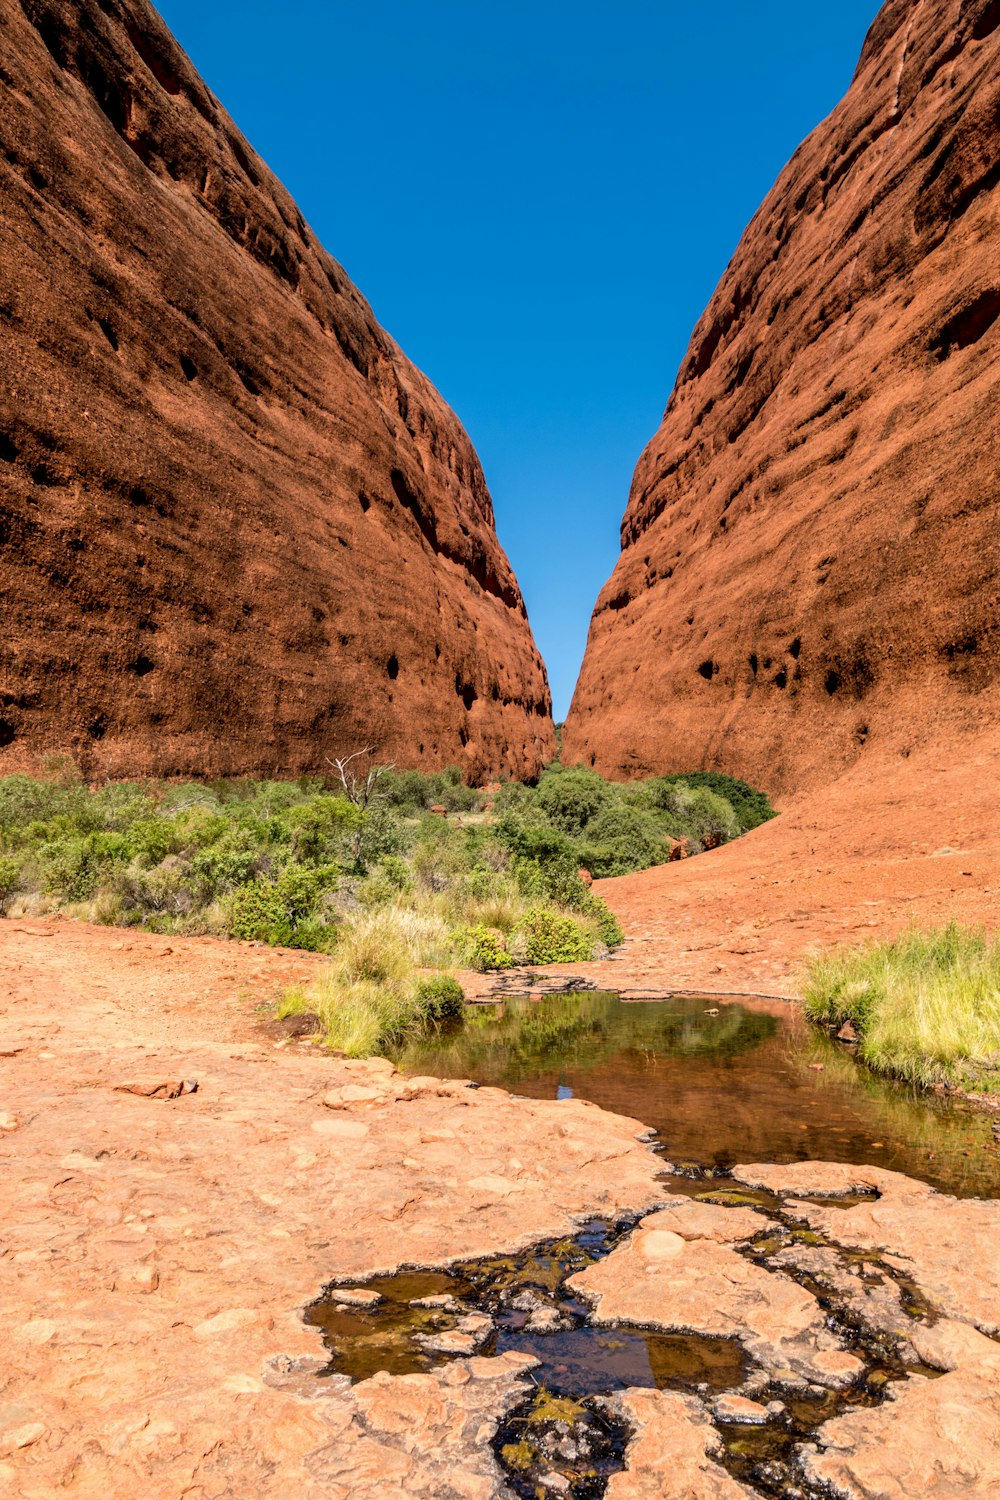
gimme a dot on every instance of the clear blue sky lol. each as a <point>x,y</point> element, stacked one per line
<point>537,198</point>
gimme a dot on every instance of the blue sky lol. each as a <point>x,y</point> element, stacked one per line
<point>538,200</point>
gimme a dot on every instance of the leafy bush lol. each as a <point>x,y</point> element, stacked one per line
<point>751,808</point>
<point>609,928</point>
<point>547,937</point>
<point>280,911</point>
<point>486,950</point>
<point>11,881</point>
<point>441,998</point>
<point>621,839</point>
<point>572,799</point>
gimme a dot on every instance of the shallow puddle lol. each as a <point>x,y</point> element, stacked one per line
<point>721,1082</point>
<point>424,1318</point>
<point>564,1438</point>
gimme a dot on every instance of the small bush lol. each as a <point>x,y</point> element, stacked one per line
<point>487,951</point>
<point>546,937</point>
<point>621,839</point>
<point>281,911</point>
<point>11,882</point>
<point>608,925</point>
<point>572,799</point>
<point>441,998</point>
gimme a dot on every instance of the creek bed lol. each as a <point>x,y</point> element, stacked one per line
<point>720,1082</point>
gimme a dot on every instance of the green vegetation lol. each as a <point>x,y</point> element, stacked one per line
<point>358,866</point>
<point>926,1007</point>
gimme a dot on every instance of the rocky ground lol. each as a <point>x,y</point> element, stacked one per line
<point>159,1245</point>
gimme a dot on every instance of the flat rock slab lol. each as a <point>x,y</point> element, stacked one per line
<point>685,1282</point>
<point>158,1257</point>
<point>671,1453</point>
<point>937,1437</point>
<point>950,1246</point>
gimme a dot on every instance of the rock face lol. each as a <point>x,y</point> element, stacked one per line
<point>809,563</point>
<point>240,531</point>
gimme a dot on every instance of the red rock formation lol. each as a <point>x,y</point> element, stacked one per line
<point>239,530</point>
<point>810,560</point>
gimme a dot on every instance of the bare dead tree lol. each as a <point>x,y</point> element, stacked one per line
<point>360,785</point>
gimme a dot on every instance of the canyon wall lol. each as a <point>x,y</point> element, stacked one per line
<point>239,531</point>
<point>810,566</point>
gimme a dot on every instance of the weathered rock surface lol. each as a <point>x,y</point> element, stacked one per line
<point>677,1272</point>
<point>670,1455</point>
<point>948,1245</point>
<point>239,531</point>
<point>155,1254</point>
<point>809,569</point>
<point>936,1437</point>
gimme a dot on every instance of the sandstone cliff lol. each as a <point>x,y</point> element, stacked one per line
<point>810,564</point>
<point>239,531</point>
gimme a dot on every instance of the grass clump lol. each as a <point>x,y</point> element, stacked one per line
<point>926,1007</point>
<point>372,994</point>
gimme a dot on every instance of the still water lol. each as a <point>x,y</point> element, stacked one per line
<point>720,1082</point>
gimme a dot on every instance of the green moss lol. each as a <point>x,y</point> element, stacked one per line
<point>550,1408</point>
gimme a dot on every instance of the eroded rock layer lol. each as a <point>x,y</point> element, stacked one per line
<point>810,565</point>
<point>239,530</point>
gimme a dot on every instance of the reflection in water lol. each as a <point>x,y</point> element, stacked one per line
<point>721,1083</point>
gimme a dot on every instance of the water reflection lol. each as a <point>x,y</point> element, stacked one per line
<point>720,1083</point>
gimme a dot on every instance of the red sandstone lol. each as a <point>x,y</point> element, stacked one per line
<point>810,571</point>
<point>239,532</point>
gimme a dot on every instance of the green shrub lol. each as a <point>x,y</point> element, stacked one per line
<point>74,868</point>
<point>750,807</point>
<point>486,950</point>
<point>572,799</point>
<point>621,839</point>
<point>376,889</point>
<point>441,998</point>
<point>608,925</point>
<point>11,881</point>
<point>547,937</point>
<point>281,911</point>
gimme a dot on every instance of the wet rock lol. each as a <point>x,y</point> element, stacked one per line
<point>946,1244</point>
<point>657,1279</point>
<point>742,1410</point>
<point>547,1320</point>
<point>935,1437</point>
<point>848,1033</point>
<point>672,1452</point>
<point>352,1296</point>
